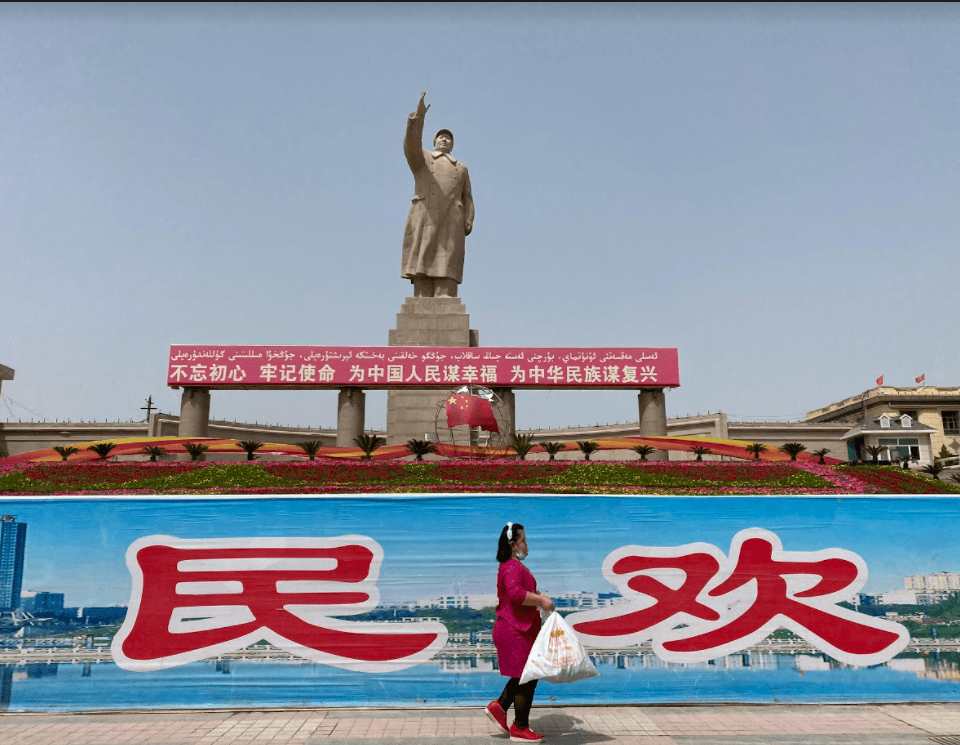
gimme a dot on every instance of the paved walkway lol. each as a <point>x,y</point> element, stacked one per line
<point>893,724</point>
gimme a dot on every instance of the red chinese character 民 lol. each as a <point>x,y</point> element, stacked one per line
<point>714,605</point>
<point>194,599</point>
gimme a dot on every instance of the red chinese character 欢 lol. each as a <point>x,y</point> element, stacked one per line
<point>714,605</point>
<point>195,599</point>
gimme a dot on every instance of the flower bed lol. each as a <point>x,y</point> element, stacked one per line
<point>893,480</point>
<point>501,476</point>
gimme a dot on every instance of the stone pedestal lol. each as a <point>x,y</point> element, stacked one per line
<point>194,412</point>
<point>424,322</point>
<point>653,418</point>
<point>509,399</point>
<point>351,407</point>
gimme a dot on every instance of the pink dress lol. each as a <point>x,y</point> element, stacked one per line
<point>517,625</point>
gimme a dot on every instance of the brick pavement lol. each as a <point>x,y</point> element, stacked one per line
<point>888,724</point>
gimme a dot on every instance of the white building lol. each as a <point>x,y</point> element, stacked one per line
<point>453,602</point>
<point>939,582</point>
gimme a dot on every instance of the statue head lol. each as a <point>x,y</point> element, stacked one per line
<point>443,141</point>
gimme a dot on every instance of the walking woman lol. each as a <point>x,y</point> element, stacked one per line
<point>516,627</point>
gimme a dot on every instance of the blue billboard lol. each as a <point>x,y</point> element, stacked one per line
<point>386,600</point>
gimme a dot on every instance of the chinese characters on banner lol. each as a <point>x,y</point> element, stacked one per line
<point>212,366</point>
<point>196,599</point>
<point>696,604</point>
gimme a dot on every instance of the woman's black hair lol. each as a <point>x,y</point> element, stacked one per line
<point>505,547</point>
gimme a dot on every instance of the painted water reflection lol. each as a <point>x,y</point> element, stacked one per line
<point>463,679</point>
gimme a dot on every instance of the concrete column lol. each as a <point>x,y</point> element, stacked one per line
<point>194,412</point>
<point>509,400</point>
<point>351,407</point>
<point>653,417</point>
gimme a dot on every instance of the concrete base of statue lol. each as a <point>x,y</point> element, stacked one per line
<point>424,322</point>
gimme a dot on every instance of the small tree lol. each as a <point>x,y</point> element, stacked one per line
<point>793,449</point>
<point>66,451</point>
<point>587,447</point>
<point>522,444</point>
<point>310,447</point>
<point>955,477</point>
<point>154,451</point>
<point>552,448</point>
<point>421,448</point>
<point>250,447</point>
<point>700,451</point>
<point>102,449</point>
<point>195,450</point>
<point>934,469</point>
<point>944,453</point>
<point>644,450</point>
<point>874,451</point>
<point>820,454</point>
<point>368,444</point>
<point>756,448</point>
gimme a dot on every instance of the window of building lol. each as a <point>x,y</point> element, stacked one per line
<point>899,449</point>
<point>912,413</point>
<point>884,421</point>
<point>951,422</point>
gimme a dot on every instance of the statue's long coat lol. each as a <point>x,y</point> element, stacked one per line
<point>433,241</point>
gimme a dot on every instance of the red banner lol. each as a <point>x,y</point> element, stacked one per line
<point>218,366</point>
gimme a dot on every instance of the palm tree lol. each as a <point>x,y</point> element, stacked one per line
<point>552,448</point>
<point>421,448</point>
<point>934,469</point>
<point>821,453</point>
<point>701,450</point>
<point>102,449</point>
<point>310,447</point>
<point>587,447</point>
<point>644,450</point>
<point>793,449</point>
<point>66,451</point>
<point>195,449</point>
<point>522,445</point>
<point>874,451</point>
<point>250,447</point>
<point>756,448</point>
<point>154,451</point>
<point>368,444</point>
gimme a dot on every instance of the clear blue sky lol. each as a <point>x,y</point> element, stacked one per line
<point>78,546</point>
<point>773,191</point>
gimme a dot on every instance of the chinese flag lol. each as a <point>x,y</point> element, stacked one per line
<point>921,378</point>
<point>880,380</point>
<point>473,411</point>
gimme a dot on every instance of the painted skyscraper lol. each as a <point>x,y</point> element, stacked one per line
<point>13,542</point>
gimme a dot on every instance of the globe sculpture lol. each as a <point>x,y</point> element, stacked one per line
<point>475,420</point>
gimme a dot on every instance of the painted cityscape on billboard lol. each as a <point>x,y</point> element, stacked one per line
<point>360,600</point>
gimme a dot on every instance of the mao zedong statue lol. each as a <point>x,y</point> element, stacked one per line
<point>441,215</point>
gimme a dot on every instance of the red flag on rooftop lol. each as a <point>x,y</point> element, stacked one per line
<point>921,378</point>
<point>463,408</point>
<point>880,380</point>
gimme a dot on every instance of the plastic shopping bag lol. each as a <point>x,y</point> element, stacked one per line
<point>557,655</point>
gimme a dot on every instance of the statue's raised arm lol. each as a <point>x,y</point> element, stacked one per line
<point>442,212</point>
<point>413,141</point>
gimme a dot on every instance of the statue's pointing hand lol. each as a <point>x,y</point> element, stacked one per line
<point>421,108</point>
